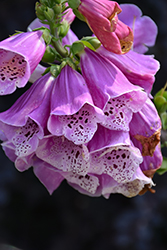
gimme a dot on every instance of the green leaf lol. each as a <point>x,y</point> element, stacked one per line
<point>79,15</point>
<point>73,4</point>
<point>163,167</point>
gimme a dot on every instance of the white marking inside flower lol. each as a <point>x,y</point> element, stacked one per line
<point>12,68</point>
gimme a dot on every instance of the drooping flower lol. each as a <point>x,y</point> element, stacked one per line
<point>139,69</point>
<point>145,130</point>
<point>17,63</point>
<point>112,153</point>
<point>111,91</point>
<point>129,189</point>
<point>73,113</point>
<point>25,122</point>
<point>102,19</point>
<point>144,28</point>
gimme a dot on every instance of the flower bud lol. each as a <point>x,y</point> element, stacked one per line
<point>57,9</point>
<point>63,28</point>
<point>40,11</point>
<point>93,41</point>
<point>49,14</point>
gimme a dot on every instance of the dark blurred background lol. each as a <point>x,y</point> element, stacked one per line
<point>31,219</point>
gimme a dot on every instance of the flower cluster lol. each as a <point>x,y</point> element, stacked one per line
<point>88,117</point>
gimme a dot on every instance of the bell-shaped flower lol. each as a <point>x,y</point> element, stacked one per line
<point>111,91</point>
<point>145,130</point>
<point>139,69</point>
<point>144,28</point>
<point>25,122</point>
<point>102,19</point>
<point>129,189</point>
<point>73,113</point>
<point>63,154</point>
<point>112,153</point>
<point>50,177</point>
<point>17,63</point>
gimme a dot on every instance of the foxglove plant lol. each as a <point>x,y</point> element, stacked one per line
<point>88,117</point>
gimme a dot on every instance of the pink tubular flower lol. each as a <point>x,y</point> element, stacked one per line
<point>17,63</point>
<point>25,122</point>
<point>73,113</point>
<point>102,18</point>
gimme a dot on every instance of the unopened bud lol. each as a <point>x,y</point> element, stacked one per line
<point>40,11</point>
<point>57,9</point>
<point>49,14</point>
<point>93,41</point>
<point>63,28</point>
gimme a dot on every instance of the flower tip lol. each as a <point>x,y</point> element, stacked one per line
<point>127,43</point>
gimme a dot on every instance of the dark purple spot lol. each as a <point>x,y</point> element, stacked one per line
<point>69,126</point>
<point>123,156</point>
<point>106,113</point>
<point>77,154</point>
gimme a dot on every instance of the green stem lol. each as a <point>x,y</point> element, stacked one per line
<point>57,44</point>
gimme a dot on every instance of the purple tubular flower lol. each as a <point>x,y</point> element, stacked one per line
<point>25,122</point>
<point>50,177</point>
<point>73,113</point>
<point>129,189</point>
<point>72,165</point>
<point>139,69</point>
<point>111,91</point>
<point>112,153</point>
<point>144,28</point>
<point>145,129</point>
<point>17,63</point>
<point>63,154</point>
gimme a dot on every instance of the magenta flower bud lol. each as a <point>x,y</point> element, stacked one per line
<point>145,129</point>
<point>25,122</point>
<point>144,28</point>
<point>102,19</point>
<point>73,113</point>
<point>17,63</point>
<point>139,69</point>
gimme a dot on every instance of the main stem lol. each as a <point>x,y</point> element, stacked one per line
<point>57,44</point>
